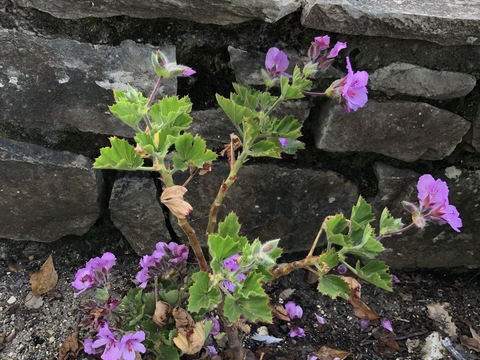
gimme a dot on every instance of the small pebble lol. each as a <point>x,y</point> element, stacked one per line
<point>11,300</point>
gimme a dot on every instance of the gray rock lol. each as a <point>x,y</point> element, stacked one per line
<point>409,79</point>
<point>435,246</point>
<point>441,21</point>
<point>46,194</point>
<point>135,211</point>
<point>270,201</point>
<point>59,85</point>
<point>203,11</point>
<point>402,130</point>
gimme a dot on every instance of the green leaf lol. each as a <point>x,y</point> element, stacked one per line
<point>253,308</point>
<point>336,224</point>
<point>248,96</point>
<point>362,213</point>
<point>333,286</point>
<point>330,258</point>
<point>289,92</point>
<point>288,127</point>
<point>121,156</point>
<point>375,272</point>
<point>191,151</point>
<point>172,112</point>
<point>265,148</point>
<point>367,246</point>
<point>129,113</point>
<point>221,248</point>
<point>235,112</point>
<point>202,296</point>
<point>299,81</point>
<point>251,130</point>
<point>230,226</point>
<point>169,352</point>
<point>251,286</point>
<point>340,239</point>
<point>388,223</point>
<point>292,146</point>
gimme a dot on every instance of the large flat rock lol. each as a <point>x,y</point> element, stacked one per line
<point>52,86</point>
<point>46,194</point>
<point>446,22</point>
<point>270,201</point>
<point>203,11</point>
<point>399,129</point>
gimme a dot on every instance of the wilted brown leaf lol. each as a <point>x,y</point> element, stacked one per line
<point>242,325</point>
<point>472,343</point>
<point>183,320</point>
<point>15,267</point>
<point>280,313</point>
<point>438,313</point>
<point>70,347</point>
<point>192,342</point>
<point>361,310</point>
<point>235,143</point>
<point>163,311</point>
<point>45,279</point>
<point>353,285</point>
<point>326,353</point>
<point>172,197</point>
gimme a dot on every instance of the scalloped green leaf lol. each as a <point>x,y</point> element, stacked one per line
<point>191,151</point>
<point>388,223</point>
<point>289,92</point>
<point>236,113</point>
<point>121,156</point>
<point>265,148</point>
<point>172,112</point>
<point>330,258</point>
<point>129,113</point>
<point>248,96</point>
<point>202,296</point>
<point>299,81</point>
<point>375,272</point>
<point>336,224</point>
<point>221,248</point>
<point>362,213</point>
<point>288,127</point>
<point>333,286</point>
<point>254,308</point>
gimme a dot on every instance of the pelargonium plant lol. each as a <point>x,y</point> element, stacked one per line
<point>174,309</point>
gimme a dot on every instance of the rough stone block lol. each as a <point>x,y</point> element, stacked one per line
<point>270,201</point>
<point>442,21</point>
<point>46,194</point>
<point>399,129</point>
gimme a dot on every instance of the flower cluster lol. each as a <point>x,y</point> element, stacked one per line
<point>166,258</point>
<point>433,204</point>
<point>95,273</point>
<point>351,90</point>
<point>112,349</point>
<point>318,51</point>
<point>231,264</point>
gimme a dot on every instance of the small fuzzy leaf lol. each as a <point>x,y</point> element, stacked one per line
<point>289,92</point>
<point>329,258</point>
<point>362,213</point>
<point>336,224</point>
<point>129,113</point>
<point>265,148</point>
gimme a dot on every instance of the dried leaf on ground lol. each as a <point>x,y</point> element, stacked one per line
<point>183,320</point>
<point>472,343</point>
<point>326,353</point>
<point>280,312</point>
<point>242,325</point>
<point>191,342</point>
<point>438,313</point>
<point>361,310</point>
<point>70,347</point>
<point>45,279</point>
<point>353,285</point>
<point>163,311</point>
<point>285,294</point>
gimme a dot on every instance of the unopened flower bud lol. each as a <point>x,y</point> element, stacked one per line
<point>269,246</point>
<point>419,220</point>
<point>411,208</point>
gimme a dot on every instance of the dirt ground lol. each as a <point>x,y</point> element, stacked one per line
<point>36,334</point>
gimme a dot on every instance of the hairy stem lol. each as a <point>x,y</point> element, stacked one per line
<point>300,264</point>
<point>233,336</point>
<point>212,218</point>
<point>380,237</point>
<point>197,249</point>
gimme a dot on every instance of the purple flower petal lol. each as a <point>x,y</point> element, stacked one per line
<point>320,319</point>
<point>213,351</point>
<point>386,324</point>
<point>231,263</point>
<point>296,331</point>
<point>293,310</point>
<point>364,324</point>
<point>132,343</point>
<point>338,46</point>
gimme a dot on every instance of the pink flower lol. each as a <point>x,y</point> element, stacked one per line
<point>231,264</point>
<point>132,343</point>
<point>338,46</point>
<point>95,272</point>
<point>105,337</point>
<point>166,69</point>
<point>83,280</point>
<point>434,204</point>
<point>283,141</point>
<point>293,310</point>
<point>351,90</point>
<point>296,331</point>
<point>88,348</point>
<point>276,62</point>
<point>323,42</point>
<point>216,325</point>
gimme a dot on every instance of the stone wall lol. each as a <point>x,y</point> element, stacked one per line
<point>60,60</point>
